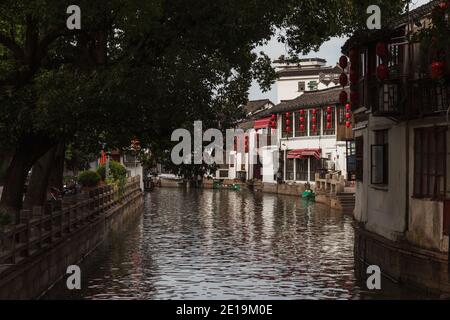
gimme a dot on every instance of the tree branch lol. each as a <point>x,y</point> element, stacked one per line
<point>13,46</point>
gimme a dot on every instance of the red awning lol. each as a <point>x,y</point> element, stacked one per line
<point>303,153</point>
<point>262,123</point>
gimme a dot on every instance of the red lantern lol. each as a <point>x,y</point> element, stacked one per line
<point>437,69</point>
<point>348,124</point>
<point>329,118</point>
<point>302,127</point>
<point>274,117</point>
<point>343,62</point>
<point>314,120</point>
<point>288,114</point>
<point>354,76</point>
<point>329,109</point>
<point>288,122</point>
<point>347,107</point>
<point>329,126</point>
<point>314,111</point>
<point>353,55</point>
<point>443,5</point>
<point>382,50</point>
<point>343,79</point>
<point>382,72</point>
<point>288,129</point>
<point>314,127</point>
<point>302,112</point>
<point>348,115</point>
<point>343,97</point>
<point>273,124</point>
<point>302,119</point>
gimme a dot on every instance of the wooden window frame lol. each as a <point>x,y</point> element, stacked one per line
<point>427,157</point>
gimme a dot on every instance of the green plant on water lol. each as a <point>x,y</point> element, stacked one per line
<point>5,218</point>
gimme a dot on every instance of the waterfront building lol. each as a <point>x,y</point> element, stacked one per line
<point>295,77</point>
<point>402,152</point>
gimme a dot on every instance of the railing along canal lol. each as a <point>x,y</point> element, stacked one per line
<point>44,227</point>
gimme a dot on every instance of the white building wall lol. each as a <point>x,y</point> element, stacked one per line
<point>287,88</point>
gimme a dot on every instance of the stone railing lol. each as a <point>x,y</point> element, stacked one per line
<point>45,227</point>
<point>332,183</point>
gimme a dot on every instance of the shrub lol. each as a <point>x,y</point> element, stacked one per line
<point>117,171</point>
<point>5,218</point>
<point>88,178</point>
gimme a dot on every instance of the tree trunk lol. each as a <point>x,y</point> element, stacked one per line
<point>37,187</point>
<point>5,160</point>
<point>57,172</point>
<point>26,154</point>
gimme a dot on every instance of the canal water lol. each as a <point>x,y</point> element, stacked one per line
<point>219,244</point>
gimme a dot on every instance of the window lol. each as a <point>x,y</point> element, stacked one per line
<point>314,122</point>
<point>289,169</point>
<point>430,162</point>
<point>301,86</point>
<point>283,125</point>
<point>359,158</point>
<point>380,158</point>
<point>315,165</point>
<point>313,85</point>
<point>301,173</point>
<point>329,131</point>
<point>298,129</point>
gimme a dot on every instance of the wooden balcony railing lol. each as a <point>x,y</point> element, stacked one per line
<point>408,99</point>
<point>44,227</point>
<point>427,97</point>
<point>387,98</point>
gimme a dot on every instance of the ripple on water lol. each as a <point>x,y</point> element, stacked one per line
<point>209,244</point>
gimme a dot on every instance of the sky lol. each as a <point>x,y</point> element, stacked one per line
<point>330,51</point>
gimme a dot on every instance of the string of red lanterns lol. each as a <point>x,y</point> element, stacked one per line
<point>383,53</point>
<point>302,120</point>
<point>314,120</point>
<point>288,123</point>
<point>273,121</point>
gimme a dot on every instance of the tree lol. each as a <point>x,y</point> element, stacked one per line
<point>140,69</point>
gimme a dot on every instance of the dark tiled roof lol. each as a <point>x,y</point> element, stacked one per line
<point>416,13</point>
<point>310,99</point>
<point>289,60</point>
<point>255,105</point>
<point>309,71</point>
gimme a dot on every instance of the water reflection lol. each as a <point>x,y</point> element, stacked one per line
<point>209,244</point>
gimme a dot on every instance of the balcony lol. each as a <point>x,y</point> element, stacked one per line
<point>387,98</point>
<point>428,97</point>
<point>402,99</point>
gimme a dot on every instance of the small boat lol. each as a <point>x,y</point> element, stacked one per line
<point>309,195</point>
